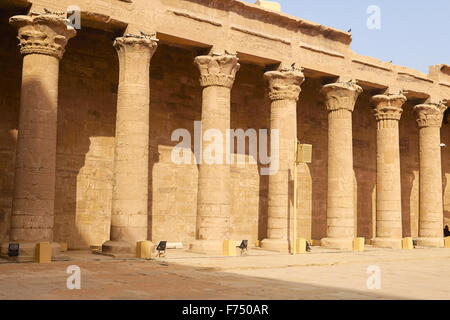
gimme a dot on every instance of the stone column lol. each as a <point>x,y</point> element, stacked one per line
<point>340,99</point>
<point>388,111</point>
<point>217,74</point>
<point>129,217</point>
<point>43,38</point>
<point>284,91</point>
<point>431,212</point>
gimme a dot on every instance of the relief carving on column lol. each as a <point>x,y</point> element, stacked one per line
<point>46,33</point>
<point>341,95</point>
<point>217,69</point>
<point>430,114</point>
<point>388,107</point>
<point>284,84</point>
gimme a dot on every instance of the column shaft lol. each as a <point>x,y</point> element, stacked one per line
<point>34,181</point>
<point>281,193</point>
<point>340,202</point>
<point>214,181</point>
<point>284,90</point>
<point>129,216</point>
<point>42,43</point>
<point>389,203</point>
<point>340,101</point>
<point>217,74</point>
<point>431,212</point>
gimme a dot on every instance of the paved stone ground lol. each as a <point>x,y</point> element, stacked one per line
<point>322,274</point>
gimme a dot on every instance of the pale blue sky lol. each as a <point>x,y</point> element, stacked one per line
<point>414,33</point>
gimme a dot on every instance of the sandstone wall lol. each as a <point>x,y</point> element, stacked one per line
<point>175,103</point>
<point>409,166</point>
<point>249,109</point>
<point>312,178</point>
<point>86,126</point>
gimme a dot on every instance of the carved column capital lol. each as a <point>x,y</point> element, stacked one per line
<point>430,114</point>
<point>217,69</point>
<point>341,95</point>
<point>135,53</point>
<point>136,43</point>
<point>388,107</point>
<point>46,33</point>
<point>284,84</point>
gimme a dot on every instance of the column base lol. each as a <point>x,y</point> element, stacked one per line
<point>280,245</point>
<point>27,250</point>
<point>431,242</point>
<point>214,247</point>
<point>338,243</point>
<point>389,243</point>
<point>118,247</point>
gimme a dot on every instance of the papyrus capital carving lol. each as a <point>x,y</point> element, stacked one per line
<point>284,84</point>
<point>341,95</point>
<point>388,107</point>
<point>135,53</point>
<point>430,114</point>
<point>136,42</point>
<point>217,69</point>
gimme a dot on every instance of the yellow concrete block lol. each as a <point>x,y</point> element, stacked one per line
<point>43,252</point>
<point>407,243</point>
<point>258,244</point>
<point>144,249</point>
<point>63,246</point>
<point>358,244</point>
<point>300,246</point>
<point>229,248</point>
<point>316,243</point>
<point>271,5</point>
<point>447,242</point>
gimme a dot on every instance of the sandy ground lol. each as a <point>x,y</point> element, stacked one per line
<point>322,274</point>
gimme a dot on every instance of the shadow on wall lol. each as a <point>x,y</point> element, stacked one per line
<point>86,130</point>
<point>409,168</point>
<point>10,88</point>
<point>175,103</point>
<point>250,109</point>
<point>312,120</point>
<point>364,164</point>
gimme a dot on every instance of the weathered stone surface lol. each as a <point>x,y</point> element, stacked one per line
<point>388,111</point>
<point>217,75</point>
<point>129,215</point>
<point>340,99</point>
<point>429,120</point>
<point>42,43</point>
<point>87,117</point>
<point>284,90</point>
